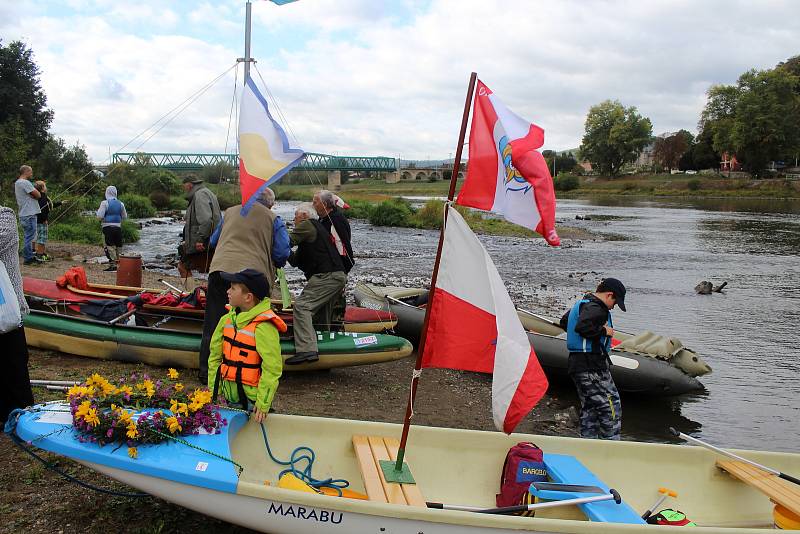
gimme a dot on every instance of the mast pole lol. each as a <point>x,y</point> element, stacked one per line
<point>247,59</point>
<point>420,351</point>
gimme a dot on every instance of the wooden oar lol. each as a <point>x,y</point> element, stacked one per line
<point>784,476</point>
<point>611,495</point>
<point>125,315</point>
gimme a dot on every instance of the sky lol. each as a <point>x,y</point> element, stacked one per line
<point>382,77</point>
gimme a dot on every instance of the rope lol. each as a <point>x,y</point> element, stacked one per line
<point>299,454</point>
<point>9,429</point>
<point>415,374</point>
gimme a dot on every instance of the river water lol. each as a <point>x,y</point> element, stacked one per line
<point>660,250</point>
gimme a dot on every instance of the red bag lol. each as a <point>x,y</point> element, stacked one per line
<point>524,464</point>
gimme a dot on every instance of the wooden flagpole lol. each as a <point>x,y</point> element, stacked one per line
<point>398,467</point>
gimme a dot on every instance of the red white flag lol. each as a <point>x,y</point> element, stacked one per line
<point>506,174</point>
<point>474,326</point>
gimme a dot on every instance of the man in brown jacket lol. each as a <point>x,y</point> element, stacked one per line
<point>246,242</point>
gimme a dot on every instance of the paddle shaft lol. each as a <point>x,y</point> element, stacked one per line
<point>784,476</point>
<point>123,316</point>
<point>611,495</point>
<point>53,382</point>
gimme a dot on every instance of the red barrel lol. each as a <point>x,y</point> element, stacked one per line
<point>129,271</point>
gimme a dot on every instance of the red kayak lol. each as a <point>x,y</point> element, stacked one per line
<point>47,293</point>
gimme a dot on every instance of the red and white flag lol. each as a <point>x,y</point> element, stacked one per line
<point>506,174</point>
<point>474,326</point>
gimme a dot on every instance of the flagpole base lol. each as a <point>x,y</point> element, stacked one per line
<point>391,474</point>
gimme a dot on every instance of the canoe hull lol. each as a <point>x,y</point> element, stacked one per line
<point>164,348</point>
<point>649,377</point>
<point>466,474</point>
<point>187,319</point>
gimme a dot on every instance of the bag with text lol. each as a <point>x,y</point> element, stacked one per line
<point>524,465</point>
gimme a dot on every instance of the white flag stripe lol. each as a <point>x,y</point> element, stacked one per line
<point>462,269</point>
<point>515,126</point>
<point>253,119</point>
<point>468,262</point>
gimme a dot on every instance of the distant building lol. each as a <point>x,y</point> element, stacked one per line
<point>729,163</point>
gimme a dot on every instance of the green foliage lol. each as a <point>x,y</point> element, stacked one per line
<point>757,119</point>
<point>87,230</point>
<point>227,194</point>
<point>143,180</point>
<point>566,182</point>
<point>160,200</point>
<point>668,151</point>
<point>138,206</point>
<point>395,212</point>
<point>14,149</point>
<point>359,209</point>
<point>614,136</point>
<point>693,184</point>
<point>221,172</point>
<point>22,97</point>
<point>430,215</point>
<point>558,162</point>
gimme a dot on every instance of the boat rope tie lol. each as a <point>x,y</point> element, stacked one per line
<point>415,375</point>
<point>182,441</point>
<point>305,475</point>
<point>11,424</point>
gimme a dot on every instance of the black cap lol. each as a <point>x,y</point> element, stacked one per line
<point>615,286</point>
<point>255,281</point>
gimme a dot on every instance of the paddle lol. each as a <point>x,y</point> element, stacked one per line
<point>784,476</point>
<point>612,495</point>
<point>286,297</point>
<point>664,494</point>
<point>173,288</point>
<point>123,316</point>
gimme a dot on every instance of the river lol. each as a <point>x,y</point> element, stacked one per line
<point>661,250</point>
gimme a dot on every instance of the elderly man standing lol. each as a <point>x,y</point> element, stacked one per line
<point>335,222</point>
<point>28,204</point>
<point>322,266</point>
<point>202,216</point>
<point>257,241</point>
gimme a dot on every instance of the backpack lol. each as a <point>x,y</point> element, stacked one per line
<point>524,464</point>
<point>668,516</point>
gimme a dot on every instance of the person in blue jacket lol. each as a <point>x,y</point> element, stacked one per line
<point>589,330</point>
<point>111,214</point>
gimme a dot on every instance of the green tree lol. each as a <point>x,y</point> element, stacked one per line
<point>767,118</point>
<point>21,95</point>
<point>614,136</point>
<point>703,154</point>
<point>14,149</point>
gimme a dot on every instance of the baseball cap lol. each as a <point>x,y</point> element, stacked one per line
<point>191,178</point>
<point>254,280</point>
<point>617,288</point>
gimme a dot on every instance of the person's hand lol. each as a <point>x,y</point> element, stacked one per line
<point>258,415</point>
<point>609,331</point>
<point>199,247</point>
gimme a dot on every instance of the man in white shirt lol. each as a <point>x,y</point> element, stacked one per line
<point>28,204</point>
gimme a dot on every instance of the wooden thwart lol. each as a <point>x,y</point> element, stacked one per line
<point>370,450</point>
<point>778,490</point>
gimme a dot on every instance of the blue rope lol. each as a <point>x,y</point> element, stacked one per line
<point>306,454</point>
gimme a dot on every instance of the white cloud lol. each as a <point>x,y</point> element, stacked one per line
<point>360,78</point>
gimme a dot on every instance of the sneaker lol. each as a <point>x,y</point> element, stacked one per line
<point>32,261</point>
<point>302,357</point>
<point>111,269</point>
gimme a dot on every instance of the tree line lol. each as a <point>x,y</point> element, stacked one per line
<point>755,121</point>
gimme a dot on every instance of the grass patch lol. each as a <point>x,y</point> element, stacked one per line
<point>87,230</point>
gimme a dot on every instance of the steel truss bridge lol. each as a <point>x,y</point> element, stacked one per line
<point>311,161</point>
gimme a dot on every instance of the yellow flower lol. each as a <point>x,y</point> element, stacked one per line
<point>124,390</point>
<point>178,387</point>
<point>78,391</point>
<point>133,432</point>
<point>83,409</point>
<point>174,426</point>
<point>172,373</point>
<point>178,407</point>
<point>133,453</point>
<point>91,417</point>
<point>149,388</point>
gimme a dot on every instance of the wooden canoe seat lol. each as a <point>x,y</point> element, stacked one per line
<point>778,490</point>
<point>370,450</point>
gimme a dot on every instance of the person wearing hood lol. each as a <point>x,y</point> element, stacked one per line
<point>202,217</point>
<point>111,214</point>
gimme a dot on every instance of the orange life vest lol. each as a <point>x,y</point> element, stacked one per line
<point>241,362</point>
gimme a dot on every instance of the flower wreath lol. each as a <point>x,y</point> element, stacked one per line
<point>140,411</point>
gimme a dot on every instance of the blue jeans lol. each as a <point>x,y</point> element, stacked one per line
<point>29,230</point>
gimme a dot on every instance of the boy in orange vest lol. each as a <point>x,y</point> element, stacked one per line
<point>245,361</point>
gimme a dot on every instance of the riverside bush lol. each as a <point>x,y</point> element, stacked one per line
<point>138,206</point>
<point>359,209</point>
<point>566,182</point>
<point>693,184</point>
<point>87,230</point>
<point>395,212</point>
